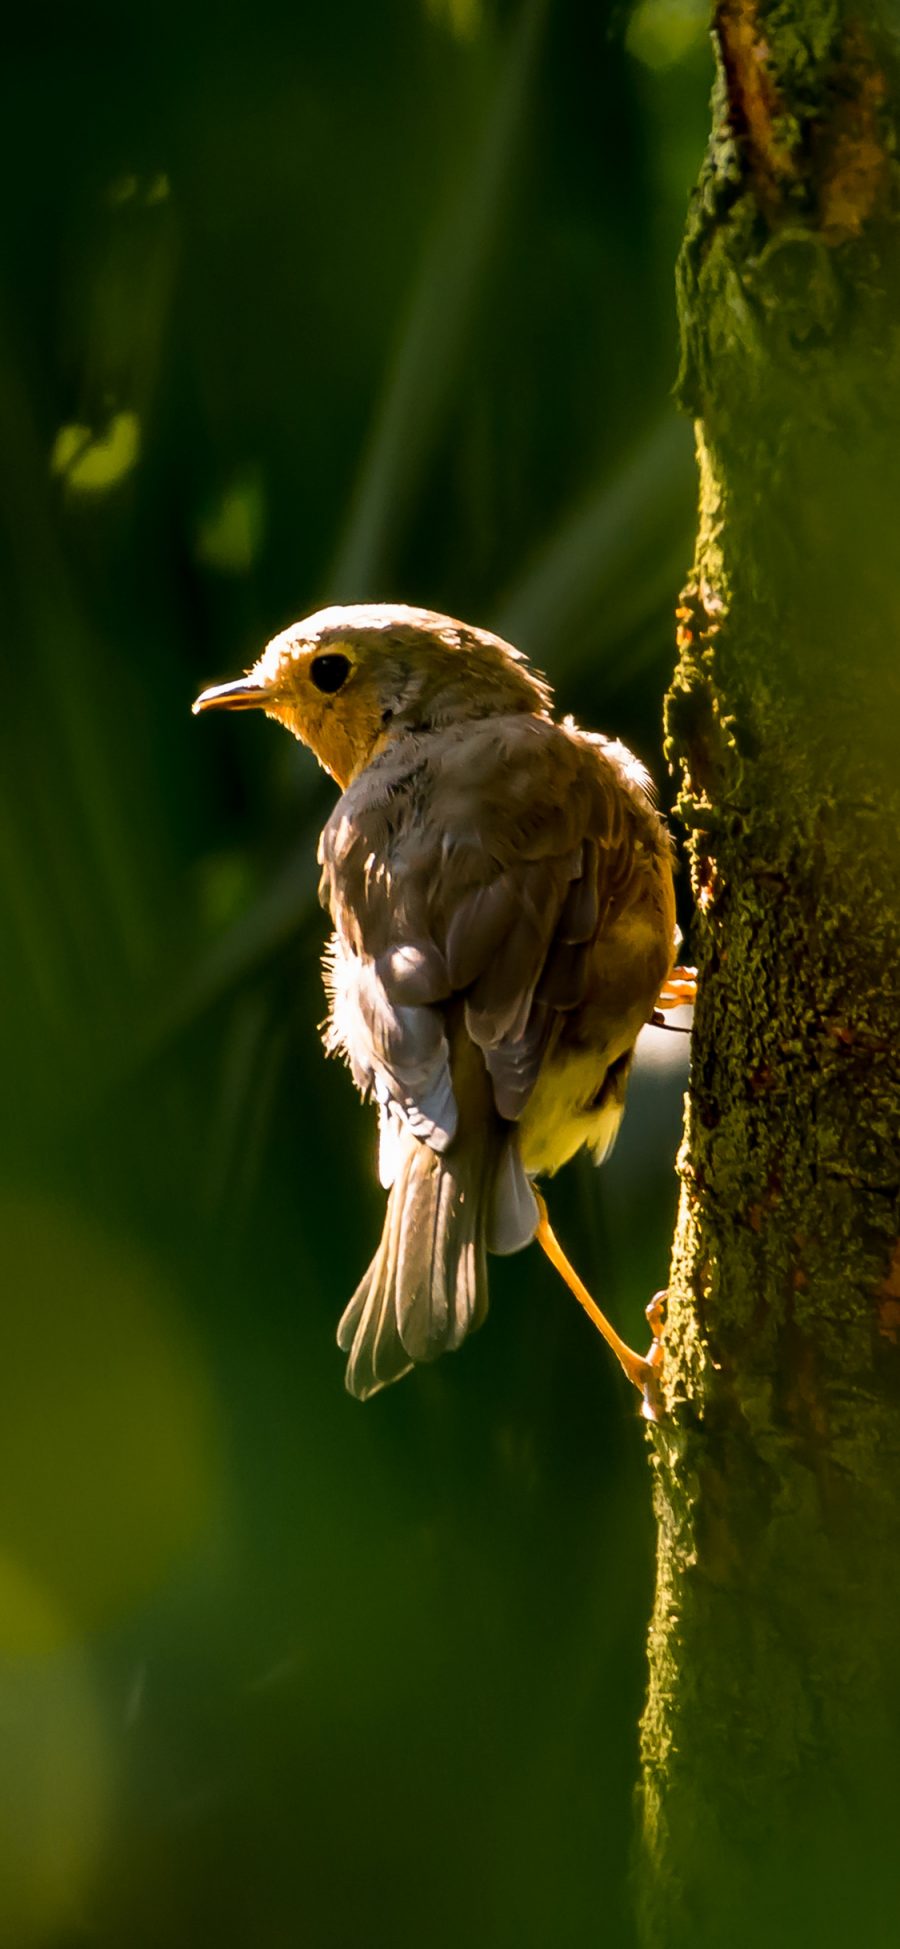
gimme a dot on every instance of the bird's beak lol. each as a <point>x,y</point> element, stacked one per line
<point>247,694</point>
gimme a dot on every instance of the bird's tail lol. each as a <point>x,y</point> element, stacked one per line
<point>426,1287</point>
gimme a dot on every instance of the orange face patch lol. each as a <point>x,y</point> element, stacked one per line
<point>338,716</point>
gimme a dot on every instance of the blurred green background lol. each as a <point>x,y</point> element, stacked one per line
<point>302,304</point>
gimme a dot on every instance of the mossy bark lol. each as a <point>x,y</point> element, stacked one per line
<point>771,1738</point>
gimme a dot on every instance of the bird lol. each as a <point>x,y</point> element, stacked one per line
<point>500,884</point>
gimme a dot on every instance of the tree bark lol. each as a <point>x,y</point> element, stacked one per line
<point>771,1778</point>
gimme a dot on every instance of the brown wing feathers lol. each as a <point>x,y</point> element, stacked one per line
<point>472,873</point>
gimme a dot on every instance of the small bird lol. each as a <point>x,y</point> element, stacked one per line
<point>500,886</point>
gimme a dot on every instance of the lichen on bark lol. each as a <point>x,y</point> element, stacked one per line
<point>772,1729</point>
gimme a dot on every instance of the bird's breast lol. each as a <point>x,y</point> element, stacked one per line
<point>570,1107</point>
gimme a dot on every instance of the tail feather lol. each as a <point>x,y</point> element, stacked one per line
<point>368,1328</point>
<point>426,1287</point>
<point>442,1268</point>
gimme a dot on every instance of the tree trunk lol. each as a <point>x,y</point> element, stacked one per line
<point>771,1737</point>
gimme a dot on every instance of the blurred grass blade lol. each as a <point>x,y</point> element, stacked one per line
<point>598,577</point>
<point>266,927</point>
<point>240,1064</point>
<point>68,670</point>
<point>450,284</point>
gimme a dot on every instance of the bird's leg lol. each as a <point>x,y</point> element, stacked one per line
<point>679,989</point>
<point>640,1371</point>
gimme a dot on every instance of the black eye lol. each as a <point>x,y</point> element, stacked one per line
<point>329,672</point>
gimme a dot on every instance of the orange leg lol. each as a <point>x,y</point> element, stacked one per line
<point>640,1372</point>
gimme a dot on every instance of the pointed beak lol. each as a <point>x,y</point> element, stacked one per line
<point>244,695</point>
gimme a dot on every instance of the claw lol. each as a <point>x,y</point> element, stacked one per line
<point>656,1313</point>
<point>651,1402</point>
<point>679,990</point>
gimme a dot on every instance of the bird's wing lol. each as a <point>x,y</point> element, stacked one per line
<point>398,1051</point>
<point>477,867</point>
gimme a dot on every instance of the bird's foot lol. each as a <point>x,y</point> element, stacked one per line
<point>679,990</point>
<point>651,1405</point>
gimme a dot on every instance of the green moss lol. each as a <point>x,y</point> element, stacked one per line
<point>772,1722</point>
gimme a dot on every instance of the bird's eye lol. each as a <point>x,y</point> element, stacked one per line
<point>329,672</point>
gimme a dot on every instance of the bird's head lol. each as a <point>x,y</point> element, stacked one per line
<point>348,680</point>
